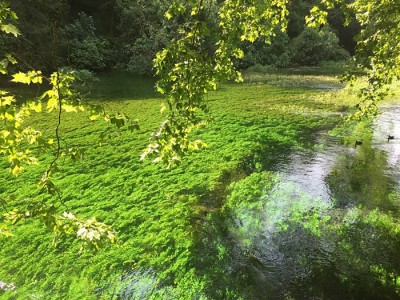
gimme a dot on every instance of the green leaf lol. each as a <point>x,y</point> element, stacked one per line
<point>69,108</point>
<point>37,107</point>
<point>168,15</point>
<point>52,104</point>
<point>9,28</point>
<point>21,78</point>
<point>163,108</point>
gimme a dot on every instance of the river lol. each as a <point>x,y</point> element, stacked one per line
<point>330,226</point>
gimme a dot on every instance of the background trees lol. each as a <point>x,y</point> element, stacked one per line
<point>126,35</point>
<point>86,49</point>
<point>141,32</point>
<point>42,44</point>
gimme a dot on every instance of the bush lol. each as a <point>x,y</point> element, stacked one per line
<point>142,34</point>
<point>276,54</point>
<point>313,46</point>
<point>142,52</point>
<point>87,50</point>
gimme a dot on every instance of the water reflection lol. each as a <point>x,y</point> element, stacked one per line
<point>328,228</point>
<point>388,123</point>
<point>360,178</point>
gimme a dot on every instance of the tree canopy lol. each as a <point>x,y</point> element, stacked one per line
<point>377,50</point>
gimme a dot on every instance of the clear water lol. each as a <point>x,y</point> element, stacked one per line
<point>388,123</point>
<point>340,259</point>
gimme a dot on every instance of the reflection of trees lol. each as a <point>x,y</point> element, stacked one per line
<point>359,178</point>
<point>365,257</point>
<point>351,256</point>
<point>355,257</point>
<point>367,254</point>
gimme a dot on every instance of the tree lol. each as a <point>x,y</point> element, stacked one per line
<point>40,25</point>
<point>188,67</point>
<point>87,51</point>
<point>142,32</point>
<point>377,51</point>
<point>188,71</point>
<point>313,46</point>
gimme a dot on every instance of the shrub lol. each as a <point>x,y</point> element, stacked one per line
<point>276,54</point>
<point>142,52</point>
<point>313,46</point>
<point>142,33</point>
<point>88,51</point>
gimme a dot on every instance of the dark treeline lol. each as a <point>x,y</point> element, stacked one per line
<point>100,35</point>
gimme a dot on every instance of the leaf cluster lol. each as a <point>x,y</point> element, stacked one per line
<point>22,144</point>
<point>188,69</point>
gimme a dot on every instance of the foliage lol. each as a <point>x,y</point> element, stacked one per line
<point>308,212</point>
<point>159,215</point>
<point>132,32</point>
<point>277,53</point>
<point>42,45</point>
<point>298,10</point>
<point>187,70</point>
<point>243,205</point>
<point>313,46</point>
<point>22,144</point>
<point>142,52</point>
<point>87,51</point>
<point>143,33</point>
<point>359,231</point>
<point>378,54</point>
<point>7,18</point>
<point>377,51</point>
<point>13,145</point>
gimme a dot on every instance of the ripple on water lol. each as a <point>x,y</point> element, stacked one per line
<point>307,170</point>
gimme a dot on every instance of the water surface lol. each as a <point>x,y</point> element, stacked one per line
<point>345,253</point>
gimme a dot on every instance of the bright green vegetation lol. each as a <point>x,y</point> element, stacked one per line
<point>177,229</point>
<point>165,219</point>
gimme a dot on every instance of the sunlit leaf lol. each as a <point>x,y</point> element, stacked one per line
<point>9,28</point>
<point>16,169</point>
<point>37,107</point>
<point>69,108</point>
<point>21,78</point>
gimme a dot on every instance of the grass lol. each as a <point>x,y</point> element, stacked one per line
<point>164,218</point>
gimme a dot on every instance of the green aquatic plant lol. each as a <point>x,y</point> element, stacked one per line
<point>245,207</point>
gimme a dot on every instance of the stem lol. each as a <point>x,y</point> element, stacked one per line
<point>57,130</point>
